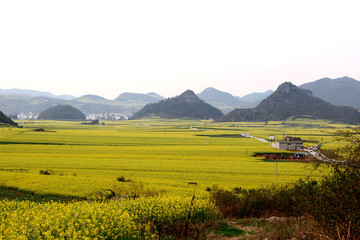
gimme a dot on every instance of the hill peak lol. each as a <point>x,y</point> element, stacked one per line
<point>210,89</point>
<point>138,97</point>
<point>189,96</point>
<point>286,87</point>
<point>346,78</point>
<point>289,88</point>
<point>90,97</point>
<point>222,100</point>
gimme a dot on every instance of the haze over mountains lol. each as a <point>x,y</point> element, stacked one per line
<point>126,102</point>
<point>33,93</point>
<point>343,91</point>
<point>14,101</point>
<point>227,102</point>
<point>255,97</point>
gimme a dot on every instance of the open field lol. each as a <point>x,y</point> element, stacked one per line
<point>154,161</point>
<point>163,155</point>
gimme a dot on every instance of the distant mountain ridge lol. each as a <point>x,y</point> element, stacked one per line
<point>221,100</point>
<point>256,97</point>
<point>14,104</point>
<point>186,105</point>
<point>148,98</point>
<point>33,93</point>
<point>289,100</point>
<point>343,91</point>
<point>91,98</point>
<point>340,92</point>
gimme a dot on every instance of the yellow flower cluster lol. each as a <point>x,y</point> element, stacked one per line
<point>129,219</point>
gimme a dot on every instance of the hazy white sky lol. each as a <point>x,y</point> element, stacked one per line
<point>110,47</point>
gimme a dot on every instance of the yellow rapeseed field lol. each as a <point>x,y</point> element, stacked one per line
<point>137,219</point>
<point>144,179</point>
<point>162,155</point>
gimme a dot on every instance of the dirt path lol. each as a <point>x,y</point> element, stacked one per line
<point>260,229</point>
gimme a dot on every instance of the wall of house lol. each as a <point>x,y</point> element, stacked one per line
<point>292,146</point>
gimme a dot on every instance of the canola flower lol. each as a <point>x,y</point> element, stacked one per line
<point>164,156</point>
<point>129,219</point>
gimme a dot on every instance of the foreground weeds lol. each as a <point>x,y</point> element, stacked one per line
<point>273,228</point>
<point>331,206</point>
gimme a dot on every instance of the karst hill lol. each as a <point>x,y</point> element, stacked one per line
<point>62,112</point>
<point>289,100</point>
<point>186,105</point>
<point>7,120</point>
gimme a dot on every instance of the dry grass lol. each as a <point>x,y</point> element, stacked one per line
<point>279,228</point>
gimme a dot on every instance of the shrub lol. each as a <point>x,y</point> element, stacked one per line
<point>129,190</point>
<point>46,172</point>
<point>226,201</point>
<point>332,202</point>
<point>288,200</point>
<point>336,205</point>
<point>121,179</point>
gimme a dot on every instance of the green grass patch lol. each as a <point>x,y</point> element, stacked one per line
<point>12,193</point>
<point>223,136</point>
<point>228,231</point>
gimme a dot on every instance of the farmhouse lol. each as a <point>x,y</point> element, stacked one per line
<point>289,143</point>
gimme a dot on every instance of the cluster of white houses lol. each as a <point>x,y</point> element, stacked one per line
<point>89,116</point>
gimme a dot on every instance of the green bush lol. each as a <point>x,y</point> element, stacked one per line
<point>253,202</point>
<point>336,205</point>
<point>128,190</point>
<point>333,202</point>
<point>121,179</point>
<point>46,172</point>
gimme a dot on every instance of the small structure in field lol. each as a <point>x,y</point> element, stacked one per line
<point>289,144</point>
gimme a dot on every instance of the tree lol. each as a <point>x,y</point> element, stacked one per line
<point>336,204</point>
<point>347,154</point>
